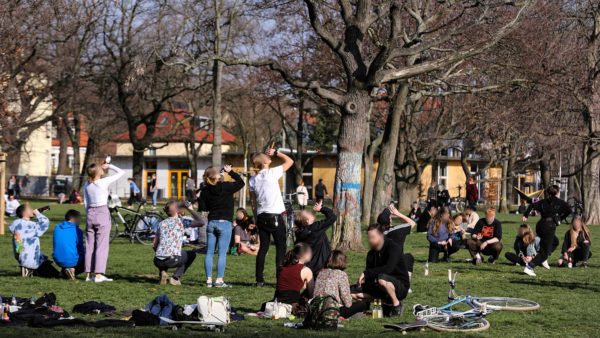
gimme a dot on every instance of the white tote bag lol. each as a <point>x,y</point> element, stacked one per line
<point>213,309</point>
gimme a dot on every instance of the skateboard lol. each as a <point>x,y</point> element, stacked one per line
<point>405,327</point>
<point>175,325</point>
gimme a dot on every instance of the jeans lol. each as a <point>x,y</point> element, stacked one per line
<point>270,224</point>
<point>219,235</point>
<point>154,197</point>
<point>182,263</point>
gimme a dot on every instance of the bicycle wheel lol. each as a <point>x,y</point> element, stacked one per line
<point>460,205</point>
<point>145,228</point>
<point>507,303</point>
<point>443,324</point>
<point>114,229</point>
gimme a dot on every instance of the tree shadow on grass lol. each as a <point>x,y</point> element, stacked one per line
<point>557,284</point>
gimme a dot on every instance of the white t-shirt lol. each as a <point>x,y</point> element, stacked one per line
<point>11,206</point>
<point>96,193</point>
<point>265,186</point>
<point>472,220</point>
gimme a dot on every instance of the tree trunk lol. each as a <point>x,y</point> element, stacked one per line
<point>217,113</point>
<point>385,181</point>
<point>137,164</point>
<point>368,182</point>
<point>347,231</point>
<point>75,138</point>
<point>63,147</point>
<point>503,208</point>
<point>13,157</point>
<point>90,153</point>
<point>545,173</point>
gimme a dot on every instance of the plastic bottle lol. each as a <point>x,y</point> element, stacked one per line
<point>13,301</point>
<point>426,272</point>
<point>374,312</point>
<point>275,314</point>
<point>380,310</point>
<point>32,300</point>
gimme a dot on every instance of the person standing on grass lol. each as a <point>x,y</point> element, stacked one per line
<point>302,195</point>
<point>98,224</point>
<point>486,238</point>
<point>67,244</point>
<point>134,192</point>
<point>313,233</point>
<point>552,210</point>
<point>472,193</point>
<point>153,190</point>
<point>267,203</point>
<point>217,199</point>
<point>190,187</point>
<point>168,242</point>
<point>432,195</point>
<point>12,203</point>
<point>320,191</point>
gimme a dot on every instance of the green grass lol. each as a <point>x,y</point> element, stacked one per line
<point>569,298</point>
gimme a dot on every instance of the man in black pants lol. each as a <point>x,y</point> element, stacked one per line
<point>386,275</point>
<point>553,210</point>
<point>268,206</point>
<point>320,191</point>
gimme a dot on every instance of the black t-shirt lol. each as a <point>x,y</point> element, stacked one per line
<point>423,222</point>
<point>488,231</point>
<point>398,235</point>
<point>387,261</point>
<point>320,189</point>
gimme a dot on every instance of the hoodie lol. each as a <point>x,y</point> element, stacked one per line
<point>26,240</point>
<point>68,245</point>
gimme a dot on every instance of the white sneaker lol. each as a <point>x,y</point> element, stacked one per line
<point>89,279</point>
<point>546,265</point>
<point>102,279</point>
<point>570,265</point>
<point>529,272</point>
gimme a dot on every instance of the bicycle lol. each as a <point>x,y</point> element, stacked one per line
<point>289,219</point>
<point>576,206</point>
<point>137,226</point>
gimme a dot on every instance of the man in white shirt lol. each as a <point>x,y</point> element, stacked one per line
<point>267,204</point>
<point>11,205</point>
<point>472,218</point>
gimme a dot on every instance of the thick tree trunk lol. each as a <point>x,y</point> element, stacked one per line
<point>368,179</point>
<point>90,153</point>
<point>385,181</point>
<point>75,138</point>
<point>137,164</point>
<point>13,157</point>
<point>217,114</point>
<point>63,147</point>
<point>347,231</point>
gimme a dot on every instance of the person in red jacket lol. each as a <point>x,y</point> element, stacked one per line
<point>472,193</point>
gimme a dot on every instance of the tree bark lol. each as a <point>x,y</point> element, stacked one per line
<point>384,183</point>
<point>137,164</point>
<point>217,113</point>
<point>503,207</point>
<point>545,172</point>
<point>347,231</point>
<point>63,147</point>
<point>371,148</point>
<point>90,153</point>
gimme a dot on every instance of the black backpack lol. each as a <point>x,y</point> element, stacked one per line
<point>323,314</point>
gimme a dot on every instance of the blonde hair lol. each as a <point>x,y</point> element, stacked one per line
<point>584,229</point>
<point>258,161</point>
<point>211,176</point>
<point>527,234</point>
<point>92,172</point>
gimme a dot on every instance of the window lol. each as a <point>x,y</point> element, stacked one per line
<point>443,173</point>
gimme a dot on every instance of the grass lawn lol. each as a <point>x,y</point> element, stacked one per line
<point>569,298</point>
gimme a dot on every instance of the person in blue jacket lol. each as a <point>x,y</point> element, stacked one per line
<point>69,252</point>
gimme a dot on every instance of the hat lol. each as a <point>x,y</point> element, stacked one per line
<point>384,217</point>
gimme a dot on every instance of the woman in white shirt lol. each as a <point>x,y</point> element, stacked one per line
<point>302,195</point>
<point>98,220</point>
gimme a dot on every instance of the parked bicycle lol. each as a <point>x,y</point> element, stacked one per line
<point>576,206</point>
<point>289,219</point>
<point>134,225</point>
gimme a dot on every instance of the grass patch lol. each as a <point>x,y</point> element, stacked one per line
<point>569,298</point>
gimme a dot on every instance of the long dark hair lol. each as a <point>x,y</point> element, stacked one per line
<point>292,257</point>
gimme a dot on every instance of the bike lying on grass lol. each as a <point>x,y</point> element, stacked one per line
<point>447,318</point>
<point>132,224</point>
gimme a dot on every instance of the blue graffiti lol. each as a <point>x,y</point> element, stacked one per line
<point>347,186</point>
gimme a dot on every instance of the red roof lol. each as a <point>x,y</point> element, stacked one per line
<point>83,138</point>
<point>175,127</point>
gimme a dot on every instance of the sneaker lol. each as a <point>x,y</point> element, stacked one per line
<point>529,272</point>
<point>174,281</point>
<point>70,273</point>
<point>585,264</point>
<point>260,284</point>
<point>102,279</point>
<point>397,311</point>
<point>209,284</point>
<point>221,285</point>
<point>164,278</point>
<point>477,261</point>
<point>491,260</point>
<point>570,265</point>
<point>89,279</point>
<point>546,265</point>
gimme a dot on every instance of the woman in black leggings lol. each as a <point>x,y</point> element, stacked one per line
<point>553,210</point>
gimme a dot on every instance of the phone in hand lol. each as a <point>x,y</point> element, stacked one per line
<point>44,208</point>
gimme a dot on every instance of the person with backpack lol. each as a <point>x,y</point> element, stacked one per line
<point>553,210</point>
<point>313,233</point>
<point>333,281</point>
<point>386,274</point>
<point>68,249</point>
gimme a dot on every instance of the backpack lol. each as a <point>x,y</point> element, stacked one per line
<point>213,310</point>
<point>323,314</point>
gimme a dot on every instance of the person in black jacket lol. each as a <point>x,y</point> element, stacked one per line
<point>443,196</point>
<point>486,238</point>
<point>312,232</point>
<point>426,216</point>
<point>553,210</point>
<point>386,274</point>
<point>398,233</point>
<point>216,198</point>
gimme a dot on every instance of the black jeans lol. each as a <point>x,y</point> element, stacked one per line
<point>409,260</point>
<point>493,249</point>
<point>545,229</point>
<point>435,249</point>
<point>356,307</point>
<point>182,263</point>
<point>270,224</point>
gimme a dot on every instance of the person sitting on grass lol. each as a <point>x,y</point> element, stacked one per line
<point>245,234</point>
<point>458,227</point>
<point>439,235</point>
<point>486,238</point>
<point>169,241</point>
<point>526,246</point>
<point>386,275</point>
<point>471,218</point>
<point>333,281</point>
<point>12,203</point>
<point>576,245</point>
<point>26,241</point>
<point>426,216</point>
<point>415,211</point>
<point>68,249</point>
<point>294,278</point>
<point>313,233</point>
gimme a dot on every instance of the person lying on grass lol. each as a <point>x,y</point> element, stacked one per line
<point>169,241</point>
<point>314,234</point>
<point>386,274</point>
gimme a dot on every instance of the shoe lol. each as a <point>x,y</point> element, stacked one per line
<point>164,278</point>
<point>477,261</point>
<point>209,284</point>
<point>221,285</point>
<point>492,260</point>
<point>570,265</point>
<point>175,282</point>
<point>585,264</point>
<point>260,284</point>
<point>70,273</point>
<point>89,279</point>
<point>102,279</point>
<point>546,265</point>
<point>397,311</point>
<point>529,272</point>
<point>409,290</point>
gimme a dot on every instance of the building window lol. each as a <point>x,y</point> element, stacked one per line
<point>443,173</point>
